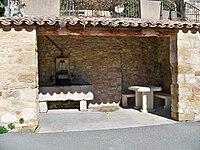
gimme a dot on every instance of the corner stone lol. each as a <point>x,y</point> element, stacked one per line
<point>186,117</point>
<point>8,118</point>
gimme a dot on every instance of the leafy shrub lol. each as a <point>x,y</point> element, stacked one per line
<point>11,126</point>
<point>3,130</point>
<point>1,5</point>
<point>21,120</point>
<point>2,8</point>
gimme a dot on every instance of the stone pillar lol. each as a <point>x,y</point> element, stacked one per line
<point>188,77</point>
<point>174,85</point>
<point>18,78</point>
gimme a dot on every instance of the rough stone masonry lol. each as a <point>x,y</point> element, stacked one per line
<point>18,78</point>
<point>110,64</point>
<point>188,78</point>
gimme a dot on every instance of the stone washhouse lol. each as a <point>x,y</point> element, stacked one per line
<point>110,54</point>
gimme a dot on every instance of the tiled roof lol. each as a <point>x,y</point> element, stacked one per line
<point>94,21</point>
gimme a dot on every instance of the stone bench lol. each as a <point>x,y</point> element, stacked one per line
<point>124,99</point>
<point>166,97</point>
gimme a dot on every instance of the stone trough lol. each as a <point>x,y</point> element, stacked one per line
<point>81,93</point>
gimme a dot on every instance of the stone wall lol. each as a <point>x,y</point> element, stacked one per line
<point>164,64</point>
<point>188,79</point>
<point>174,72</point>
<point>18,78</point>
<point>140,64</point>
<point>110,64</point>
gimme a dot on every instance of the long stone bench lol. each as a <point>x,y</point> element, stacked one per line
<point>82,93</point>
<point>166,97</point>
<point>125,99</point>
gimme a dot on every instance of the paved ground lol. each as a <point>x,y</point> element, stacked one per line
<point>178,136</point>
<point>64,121</point>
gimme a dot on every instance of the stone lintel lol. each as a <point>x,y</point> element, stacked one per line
<point>103,31</point>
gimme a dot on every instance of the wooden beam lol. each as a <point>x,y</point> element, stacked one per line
<point>103,31</point>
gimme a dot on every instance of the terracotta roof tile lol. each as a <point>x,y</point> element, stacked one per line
<point>94,21</point>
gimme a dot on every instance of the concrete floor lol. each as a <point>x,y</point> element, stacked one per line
<point>74,120</point>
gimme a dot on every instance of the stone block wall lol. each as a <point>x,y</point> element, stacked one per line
<point>188,78</point>
<point>110,64</point>
<point>164,64</point>
<point>140,66</point>
<point>18,78</point>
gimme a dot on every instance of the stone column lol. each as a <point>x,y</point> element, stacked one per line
<point>188,78</point>
<point>174,85</point>
<point>18,78</point>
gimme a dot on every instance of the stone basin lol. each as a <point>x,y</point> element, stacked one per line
<point>80,93</point>
<point>65,89</point>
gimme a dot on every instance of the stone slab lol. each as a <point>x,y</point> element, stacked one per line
<point>64,120</point>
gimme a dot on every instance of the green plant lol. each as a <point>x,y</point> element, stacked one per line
<point>21,120</point>
<point>1,5</point>
<point>3,130</point>
<point>2,8</point>
<point>11,126</point>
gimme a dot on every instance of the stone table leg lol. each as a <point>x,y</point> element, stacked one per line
<point>138,100</point>
<point>150,102</point>
<point>144,102</point>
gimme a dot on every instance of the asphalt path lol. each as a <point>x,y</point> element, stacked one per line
<point>179,136</point>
